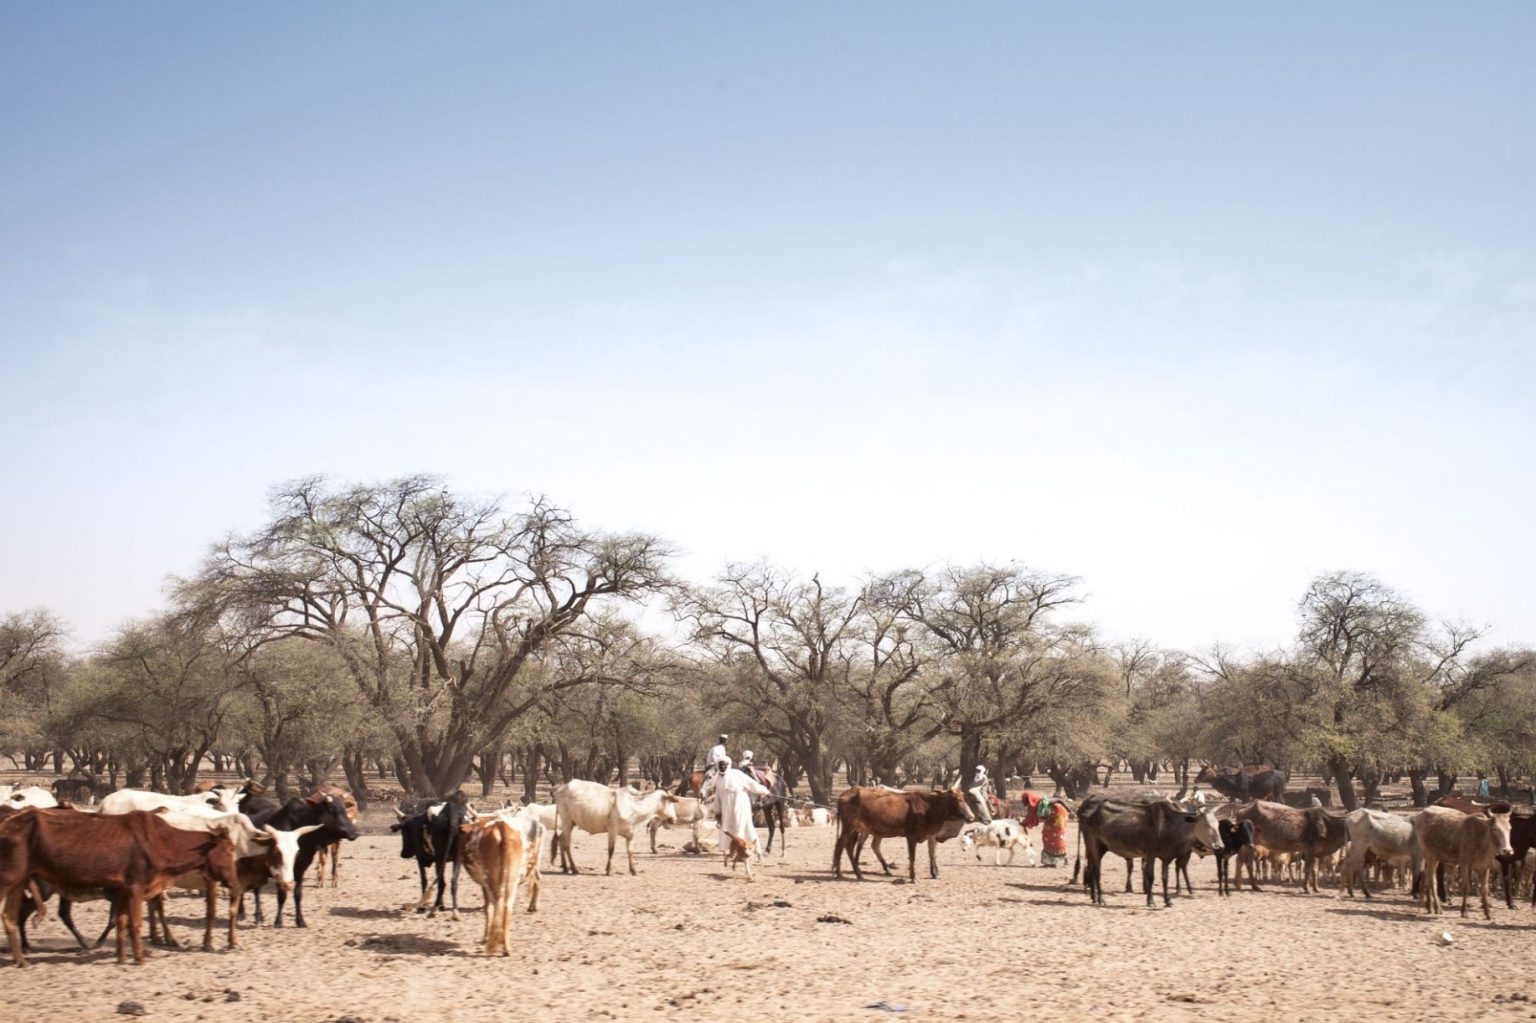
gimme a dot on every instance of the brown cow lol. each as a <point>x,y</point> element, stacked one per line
<point>1463,804</point>
<point>881,812</point>
<point>137,854</point>
<point>1312,834</point>
<point>495,853</point>
<point>1472,842</point>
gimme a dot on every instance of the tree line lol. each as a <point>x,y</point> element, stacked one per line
<point>406,631</point>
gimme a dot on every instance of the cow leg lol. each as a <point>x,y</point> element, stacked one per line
<point>653,825</point>
<point>1130,869</point>
<point>210,913</point>
<point>156,909</point>
<point>438,866</point>
<point>236,898</point>
<point>629,853</point>
<point>12,921</point>
<point>912,858</point>
<point>1146,878</point>
<point>1181,869</point>
<point>457,865</point>
<point>67,916</point>
<point>1166,900</point>
<point>933,858</point>
<point>567,860</point>
<point>298,900</point>
<point>612,841</point>
<point>133,920</point>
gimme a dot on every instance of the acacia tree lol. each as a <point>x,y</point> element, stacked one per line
<point>788,645</point>
<point>166,685</point>
<point>32,667</point>
<point>1357,664</point>
<point>438,605</point>
<point>999,656</point>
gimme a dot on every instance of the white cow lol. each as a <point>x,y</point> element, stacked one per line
<point>597,809</point>
<point>128,800</point>
<point>688,810</point>
<point>1387,836</point>
<point>1003,833</point>
<point>529,820</point>
<point>28,795</point>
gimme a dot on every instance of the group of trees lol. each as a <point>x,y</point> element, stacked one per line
<point>403,629</point>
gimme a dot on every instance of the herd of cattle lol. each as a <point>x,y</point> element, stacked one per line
<point>137,845</point>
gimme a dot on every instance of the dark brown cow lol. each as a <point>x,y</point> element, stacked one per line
<point>880,812</point>
<point>136,854</point>
<point>1522,838</point>
<point>1244,783</point>
<point>332,852</point>
<point>1309,833</point>
<point>1160,830</point>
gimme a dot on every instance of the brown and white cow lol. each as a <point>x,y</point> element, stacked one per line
<point>495,852</point>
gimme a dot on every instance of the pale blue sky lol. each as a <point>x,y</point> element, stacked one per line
<point>1193,302</point>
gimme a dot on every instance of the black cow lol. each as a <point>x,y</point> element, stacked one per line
<point>1154,831</point>
<point>1245,783</point>
<point>429,833</point>
<point>324,810</point>
<point>75,790</point>
<point>1234,836</point>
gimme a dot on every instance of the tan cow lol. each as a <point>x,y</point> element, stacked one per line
<point>1472,843</point>
<point>495,854</point>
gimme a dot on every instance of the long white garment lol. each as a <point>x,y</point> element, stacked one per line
<point>716,754</point>
<point>733,804</point>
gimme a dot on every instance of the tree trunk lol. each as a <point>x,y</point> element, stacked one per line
<point>1446,778</point>
<point>485,770</point>
<point>970,755</point>
<point>1416,780</point>
<point>1342,776</point>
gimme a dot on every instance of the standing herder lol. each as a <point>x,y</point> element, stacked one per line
<point>733,809</point>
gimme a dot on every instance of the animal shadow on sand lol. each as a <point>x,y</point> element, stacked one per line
<point>369,914</point>
<point>1406,913</point>
<point>409,945</point>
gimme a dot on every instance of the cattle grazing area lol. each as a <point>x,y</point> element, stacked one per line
<point>687,938</point>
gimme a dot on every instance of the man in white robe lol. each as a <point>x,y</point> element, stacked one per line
<point>733,808</point>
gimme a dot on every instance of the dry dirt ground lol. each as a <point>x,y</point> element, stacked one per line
<point>687,939</point>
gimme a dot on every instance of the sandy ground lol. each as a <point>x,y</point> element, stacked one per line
<point>686,939</point>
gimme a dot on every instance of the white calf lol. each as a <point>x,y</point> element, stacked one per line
<point>1003,833</point>
<point>688,811</point>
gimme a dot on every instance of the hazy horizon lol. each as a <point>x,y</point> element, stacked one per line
<point>1193,304</point>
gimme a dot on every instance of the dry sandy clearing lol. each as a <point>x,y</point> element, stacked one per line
<point>685,939</point>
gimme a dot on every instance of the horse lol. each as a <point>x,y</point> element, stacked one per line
<point>774,805</point>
